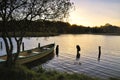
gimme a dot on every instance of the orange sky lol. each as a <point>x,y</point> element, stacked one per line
<point>95,12</point>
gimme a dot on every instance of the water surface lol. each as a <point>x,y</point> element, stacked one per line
<point>108,66</point>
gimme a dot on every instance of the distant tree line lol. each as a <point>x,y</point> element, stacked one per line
<point>58,27</point>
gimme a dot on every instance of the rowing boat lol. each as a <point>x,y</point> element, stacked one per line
<point>32,54</point>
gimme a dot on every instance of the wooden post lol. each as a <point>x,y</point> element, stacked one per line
<point>57,50</point>
<point>23,46</point>
<point>1,45</point>
<point>78,48</point>
<point>99,52</point>
<point>38,45</point>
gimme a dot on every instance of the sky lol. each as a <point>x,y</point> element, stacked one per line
<point>95,12</point>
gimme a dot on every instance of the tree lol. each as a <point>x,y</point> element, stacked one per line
<point>27,11</point>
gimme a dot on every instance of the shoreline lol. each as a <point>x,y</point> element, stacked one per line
<point>39,34</point>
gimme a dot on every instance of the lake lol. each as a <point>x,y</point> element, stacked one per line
<point>88,63</point>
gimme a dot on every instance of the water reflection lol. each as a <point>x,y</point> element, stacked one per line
<point>1,46</point>
<point>78,56</point>
<point>46,38</point>
<point>77,62</point>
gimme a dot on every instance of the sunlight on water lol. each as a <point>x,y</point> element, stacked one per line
<point>108,66</point>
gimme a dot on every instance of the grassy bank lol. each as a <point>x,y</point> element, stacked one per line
<point>22,73</point>
<point>54,75</point>
<point>17,72</point>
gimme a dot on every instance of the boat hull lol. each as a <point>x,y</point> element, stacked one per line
<point>35,57</point>
<point>41,52</point>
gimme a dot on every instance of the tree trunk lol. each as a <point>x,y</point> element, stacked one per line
<point>19,41</point>
<point>9,61</point>
<point>9,48</point>
<point>17,54</point>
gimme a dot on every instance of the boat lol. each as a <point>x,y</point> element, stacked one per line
<point>32,54</point>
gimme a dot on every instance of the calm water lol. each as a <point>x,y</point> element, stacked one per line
<point>108,66</point>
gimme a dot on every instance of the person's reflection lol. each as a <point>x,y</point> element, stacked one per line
<point>57,50</point>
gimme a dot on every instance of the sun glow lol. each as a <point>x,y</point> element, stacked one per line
<point>95,13</point>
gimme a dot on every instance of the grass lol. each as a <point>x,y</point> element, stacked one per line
<point>53,75</point>
<point>19,72</point>
<point>114,78</point>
